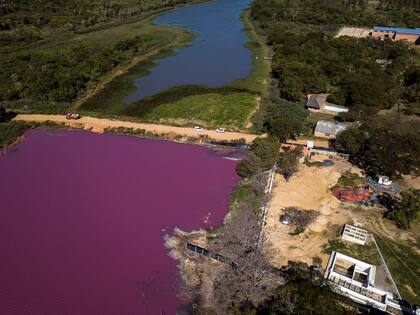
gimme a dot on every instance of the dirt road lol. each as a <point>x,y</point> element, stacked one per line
<point>99,125</point>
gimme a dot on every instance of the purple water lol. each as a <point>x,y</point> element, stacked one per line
<point>81,219</point>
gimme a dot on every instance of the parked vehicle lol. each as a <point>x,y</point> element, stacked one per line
<point>384,180</point>
<point>72,116</point>
<point>220,130</point>
<point>198,129</point>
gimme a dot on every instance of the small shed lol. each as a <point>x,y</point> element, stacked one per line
<point>318,102</point>
<point>315,101</point>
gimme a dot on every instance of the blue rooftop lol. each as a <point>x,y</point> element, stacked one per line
<point>409,31</point>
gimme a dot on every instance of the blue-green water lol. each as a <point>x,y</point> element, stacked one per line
<point>216,57</point>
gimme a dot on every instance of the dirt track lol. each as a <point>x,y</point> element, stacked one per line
<point>99,125</point>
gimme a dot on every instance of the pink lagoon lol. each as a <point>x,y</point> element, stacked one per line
<point>83,216</point>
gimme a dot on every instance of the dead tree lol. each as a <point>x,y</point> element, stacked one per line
<point>248,278</point>
<point>300,218</point>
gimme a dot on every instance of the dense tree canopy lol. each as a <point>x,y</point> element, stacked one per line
<point>62,75</point>
<point>262,156</point>
<point>407,212</point>
<point>308,58</point>
<point>385,144</point>
<point>49,57</point>
<point>328,15</point>
<point>301,296</point>
<point>283,119</point>
<point>17,13</point>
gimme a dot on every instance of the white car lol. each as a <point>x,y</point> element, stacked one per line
<point>220,130</point>
<point>72,116</point>
<point>198,129</point>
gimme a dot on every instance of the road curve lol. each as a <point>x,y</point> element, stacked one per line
<point>99,125</point>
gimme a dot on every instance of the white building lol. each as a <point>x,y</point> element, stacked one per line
<point>356,279</point>
<point>329,129</point>
<point>354,234</point>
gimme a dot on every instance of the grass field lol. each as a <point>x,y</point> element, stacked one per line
<point>211,110</point>
<point>403,260</point>
<point>230,106</point>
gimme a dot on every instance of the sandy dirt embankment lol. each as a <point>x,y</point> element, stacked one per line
<point>100,124</point>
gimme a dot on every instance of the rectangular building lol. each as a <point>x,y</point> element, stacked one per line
<point>356,279</point>
<point>410,35</point>
<point>329,129</point>
<point>354,234</point>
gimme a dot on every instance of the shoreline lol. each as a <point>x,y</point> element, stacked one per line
<point>101,125</point>
<point>255,84</point>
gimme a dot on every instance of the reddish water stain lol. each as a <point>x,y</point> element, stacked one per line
<point>81,219</point>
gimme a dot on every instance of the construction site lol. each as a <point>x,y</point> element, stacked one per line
<point>340,196</point>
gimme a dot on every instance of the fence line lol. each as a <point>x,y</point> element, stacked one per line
<point>264,208</point>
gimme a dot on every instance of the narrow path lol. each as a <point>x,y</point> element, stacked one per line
<point>100,124</point>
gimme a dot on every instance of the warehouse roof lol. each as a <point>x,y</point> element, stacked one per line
<point>330,127</point>
<point>408,31</point>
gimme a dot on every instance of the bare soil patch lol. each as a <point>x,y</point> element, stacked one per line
<point>308,189</point>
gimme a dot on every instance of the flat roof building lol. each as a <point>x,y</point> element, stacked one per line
<point>354,234</point>
<point>411,35</point>
<point>356,279</point>
<point>329,129</point>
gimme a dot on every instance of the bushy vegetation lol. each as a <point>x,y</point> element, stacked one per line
<point>280,118</point>
<point>288,162</point>
<point>328,15</point>
<point>63,75</point>
<point>9,132</point>
<point>384,144</point>
<point>350,180</point>
<point>73,14</point>
<point>262,156</point>
<point>406,213</point>
<point>47,67</point>
<point>300,296</point>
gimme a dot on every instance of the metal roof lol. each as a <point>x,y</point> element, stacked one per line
<point>330,127</point>
<point>408,31</point>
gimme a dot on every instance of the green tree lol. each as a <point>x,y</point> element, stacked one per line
<point>249,165</point>
<point>387,145</point>
<point>284,119</point>
<point>287,163</point>
<point>407,212</point>
<point>267,150</point>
